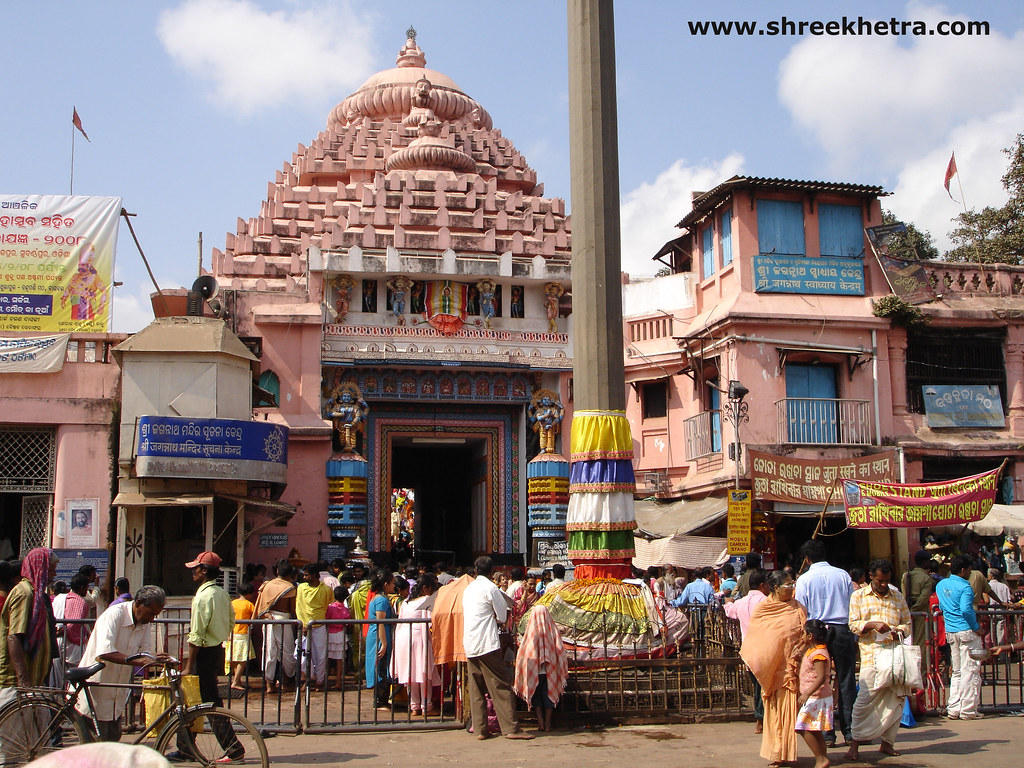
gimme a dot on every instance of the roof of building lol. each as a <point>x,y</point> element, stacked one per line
<point>704,202</point>
<point>186,334</point>
<point>407,161</point>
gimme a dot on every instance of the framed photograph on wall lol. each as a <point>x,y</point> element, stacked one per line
<point>82,526</point>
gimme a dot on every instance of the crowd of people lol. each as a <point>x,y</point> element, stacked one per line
<point>819,641</point>
<point>822,643</point>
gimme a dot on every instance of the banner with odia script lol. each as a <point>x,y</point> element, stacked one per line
<point>810,481</point>
<point>919,505</point>
<point>57,262</point>
<point>37,354</point>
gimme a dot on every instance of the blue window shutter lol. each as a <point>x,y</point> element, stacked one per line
<point>840,230</point>
<point>811,408</point>
<point>725,225</point>
<point>715,404</point>
<point>708,251</point>
<point>780,227</point>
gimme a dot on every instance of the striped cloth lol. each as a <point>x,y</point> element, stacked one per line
<point>542,644</point>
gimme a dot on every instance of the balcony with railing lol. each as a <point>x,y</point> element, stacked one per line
<point>703,434</point>
<point>823,421</point>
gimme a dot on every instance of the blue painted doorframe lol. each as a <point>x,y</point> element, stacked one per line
<point>811,408</point>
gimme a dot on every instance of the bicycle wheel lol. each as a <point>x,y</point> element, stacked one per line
<point>220,737</point>
<point>33,727</point>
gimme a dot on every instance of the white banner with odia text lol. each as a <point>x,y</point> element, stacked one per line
<point>38,354</point>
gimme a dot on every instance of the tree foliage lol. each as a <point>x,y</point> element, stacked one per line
<point>995,235</point>
<point>913,244</point>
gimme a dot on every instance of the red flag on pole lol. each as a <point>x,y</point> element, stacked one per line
<point>950,173</point>
<point>77,121</point>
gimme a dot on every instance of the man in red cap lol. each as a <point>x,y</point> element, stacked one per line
<point>212,623</point>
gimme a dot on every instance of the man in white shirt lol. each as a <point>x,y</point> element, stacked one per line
<point>1002,593</point>
<point>516,576</point>
<point>120,632</point>
<point>484,608</point>
<point>557,576</point>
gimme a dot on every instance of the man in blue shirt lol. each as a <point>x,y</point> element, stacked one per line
<point>956,598</point>
<point>824,591</point>
<point>697,592</point>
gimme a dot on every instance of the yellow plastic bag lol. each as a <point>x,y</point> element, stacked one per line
<point>158,698</point>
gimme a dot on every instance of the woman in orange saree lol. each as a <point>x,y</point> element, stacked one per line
<point>772,649</point>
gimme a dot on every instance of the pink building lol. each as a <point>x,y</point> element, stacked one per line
<point>773,286</point>
<point>409,252</point>
<point>57,451</point>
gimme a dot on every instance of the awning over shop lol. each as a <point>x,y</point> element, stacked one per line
<point>806,510</point>
<point>132,499</point>
<point>278,510</point>
<point>681,551</point>
<point>1002,518</point>
<point>656,518</point>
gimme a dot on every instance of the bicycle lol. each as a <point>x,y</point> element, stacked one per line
<point>43,720</point>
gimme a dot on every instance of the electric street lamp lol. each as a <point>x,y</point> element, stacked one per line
<point>737,415</point>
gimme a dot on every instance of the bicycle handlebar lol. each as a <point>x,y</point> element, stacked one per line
<point>167,661</point>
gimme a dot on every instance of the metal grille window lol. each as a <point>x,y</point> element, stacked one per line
<point>27,459</point>
<point>954,357</point>
<point>35,522</point>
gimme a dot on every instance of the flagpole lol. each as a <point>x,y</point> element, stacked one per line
<point>963,201</point>
<point>72,158</point>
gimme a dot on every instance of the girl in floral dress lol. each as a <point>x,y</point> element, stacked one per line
<point>815,700</point>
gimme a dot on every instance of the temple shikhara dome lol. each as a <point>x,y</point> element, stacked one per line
<point>408,160</point>
<point>408,288</point>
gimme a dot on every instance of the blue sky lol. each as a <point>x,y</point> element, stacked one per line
<point>192,105</point>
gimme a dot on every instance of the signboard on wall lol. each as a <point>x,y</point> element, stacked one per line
<point>57,262</point>
<point>551,551</point>
<point>738,542</point>
<point>811,481</point>
<point>963,405</point>
<point>328,551</point>
<point>80,519</point>
<point>73,559</point>
<point>273,540</point>
<point>170,446</point>
<point>774,273</point>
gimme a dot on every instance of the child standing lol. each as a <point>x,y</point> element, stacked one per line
<point>815,700</point>
<point>311,601</point>
<point>337,634</point>
<point>238,649</point>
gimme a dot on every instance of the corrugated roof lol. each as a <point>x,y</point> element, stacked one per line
<point>708,201</point>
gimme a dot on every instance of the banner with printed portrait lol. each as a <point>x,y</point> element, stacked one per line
<point>57,262</point>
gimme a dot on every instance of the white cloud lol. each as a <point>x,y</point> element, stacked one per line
<point>650,212</point>
<point>255,59</point>
<point>871,100</point>
<point>132,311</point>
<point>919,195</point>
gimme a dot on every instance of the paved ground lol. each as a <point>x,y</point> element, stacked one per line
<point>935,743</point>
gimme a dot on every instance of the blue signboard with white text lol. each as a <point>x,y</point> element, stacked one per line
<point>963,405</point>
<point>774,273</point>
<point>171,446</point>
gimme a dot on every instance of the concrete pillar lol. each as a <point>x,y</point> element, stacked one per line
<point>599,380</point>
<point>1014,352</point>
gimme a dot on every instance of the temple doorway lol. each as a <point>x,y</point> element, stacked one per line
<point>448,479</point>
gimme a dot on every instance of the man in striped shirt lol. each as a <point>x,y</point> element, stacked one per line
<point>880,618</point>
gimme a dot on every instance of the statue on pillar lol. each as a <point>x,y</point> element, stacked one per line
<point>348,412</point>
<point>545,413</point>
<point>399,287</point>
<point>343,285</point>
<point>552,293</point>
<point>486,288</point>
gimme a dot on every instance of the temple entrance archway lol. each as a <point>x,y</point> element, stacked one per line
<point>448,478</point>
<point>474,452</point>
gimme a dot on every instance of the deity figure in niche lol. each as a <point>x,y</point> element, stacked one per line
<point>369,295</point>
<point>552,293</point>
<point>516,303</point>
<point>486,287</point>
<point>347,410</point>
<point>343,286</point>
<point>399,287</point>
<point>545,413</point>
<point>416,297</point>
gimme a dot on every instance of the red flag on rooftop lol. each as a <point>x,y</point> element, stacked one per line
<point>77,121</point>
<point>950,173</point>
